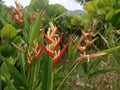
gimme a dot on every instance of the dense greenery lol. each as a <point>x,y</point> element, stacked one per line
<point>44,48</point>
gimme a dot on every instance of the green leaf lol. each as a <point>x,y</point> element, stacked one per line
<point>111,50</point>
<point>21,57</point>
<point>33,2</point>
<point>9,83</point>
<point>93,74</point>
<point>90,6</point>
<point>47,77</point>
<point>72,51</point>
<point>85,67</point>
<point>16,40</point>
<point>0,83</point>
<point>7,50</point>
<point>8,32</point>
<point>36,29</point>
<point>34,75</point>
<point>105,3</point>
<point>111,14</point>
<point>55,10</point>
<point>4,76</point>
<point>15,75</point>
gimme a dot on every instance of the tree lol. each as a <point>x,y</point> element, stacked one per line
<point>51,10</point>
<point>83,1</point>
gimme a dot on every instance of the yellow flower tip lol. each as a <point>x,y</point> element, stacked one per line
<point>96,55</point>
<point>85,35</point>
<point>102,53</point>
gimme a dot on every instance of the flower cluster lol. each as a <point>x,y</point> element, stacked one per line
<point>52,48</point>
<point>18,17</point>
<point>87,43</point>
<point>35,52</point>
<point>53,42</point>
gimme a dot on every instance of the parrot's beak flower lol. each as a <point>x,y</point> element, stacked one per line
<point>35,52</point>
<point>34,14</point>
<point>18,17</point>
<point>29,58</point>
<point>51,34</point>
<point>85,35</point>
<point>37,49</point>
<point>53,42</point>
<point>87,43</point>
<point>59,55</point>
<point>80,48</point>
<point>48,50</point>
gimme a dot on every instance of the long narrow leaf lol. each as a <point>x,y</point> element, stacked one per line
<point>9,83</point>
<point>111,50</point>
<point>0,83</point>
<point>47,77</point>
<point>100,72</point>
<point>15,75</point>
<point>22,63</point>
<point>35,73</point>
<point>36,29</point>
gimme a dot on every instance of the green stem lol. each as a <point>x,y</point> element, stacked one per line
<point>0,84</point>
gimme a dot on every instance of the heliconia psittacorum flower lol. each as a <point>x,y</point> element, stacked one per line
<point>51,48</point>
<point>53,42</point>
<point>18,17</point>
<point>87,43</point>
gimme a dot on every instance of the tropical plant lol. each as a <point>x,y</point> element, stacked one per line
<point>62,54</point>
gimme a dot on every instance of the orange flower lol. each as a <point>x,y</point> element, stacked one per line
<point>35,52</point>
<point>85,35</point>
<point>87,43</point>
<point>91,56</point>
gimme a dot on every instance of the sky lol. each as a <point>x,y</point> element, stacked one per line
<point>68,4</point>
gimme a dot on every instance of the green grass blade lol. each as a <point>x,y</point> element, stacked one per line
<point>93,74</point>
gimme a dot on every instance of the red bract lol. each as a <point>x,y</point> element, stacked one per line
<point>18,17</point>
<point>56,45</point>
<point>48,51</point>
<point>57,58</point>
<point>19,21</point>
<point>48,39</point>
<point>80,48</point>
<point>37,49</point>
<point>35,52</point>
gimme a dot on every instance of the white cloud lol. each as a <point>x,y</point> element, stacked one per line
<point>68,4</point>
<point>11,2</point>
